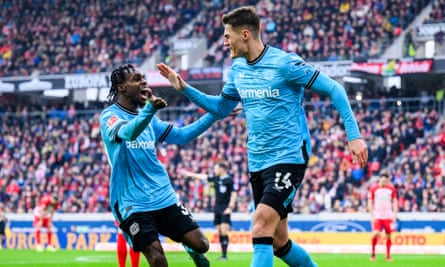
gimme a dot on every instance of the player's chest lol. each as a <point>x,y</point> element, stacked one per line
<point>383,194</point>
<point>247,79</point>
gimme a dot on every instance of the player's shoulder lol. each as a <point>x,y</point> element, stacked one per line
<point>285,57</point>
<point>45,199</point>
<point>373,187</point>
<point>110,115</point>
<point>110,108</point>
<point>281,57</point>
<point>391,186</point>
<point>238,62</point>
<point>106,112</point>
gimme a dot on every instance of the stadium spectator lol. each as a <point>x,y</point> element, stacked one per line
<point>141,195</point>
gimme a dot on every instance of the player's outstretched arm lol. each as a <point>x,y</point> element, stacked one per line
<point>219,106</point>
<point>183,135</point>
<point>130,130</point>
<point>172,76</point>
<point>194,175</point>
<point>356,145</point>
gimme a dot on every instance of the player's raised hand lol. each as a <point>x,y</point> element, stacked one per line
<point>359,151</point>
<point>172,76</point>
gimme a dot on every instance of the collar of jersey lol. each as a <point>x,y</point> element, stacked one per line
<point>259,57</point>
<point>125,109</point>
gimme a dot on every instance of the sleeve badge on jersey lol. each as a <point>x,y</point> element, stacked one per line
<point>112,121</point>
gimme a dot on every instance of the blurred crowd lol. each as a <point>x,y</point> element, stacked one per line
<point>57,36</point>
<point>58,149</point>
<point>317,30</point>
<point>437,14</point>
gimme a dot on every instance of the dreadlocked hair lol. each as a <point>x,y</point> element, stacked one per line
<point>118,76</point>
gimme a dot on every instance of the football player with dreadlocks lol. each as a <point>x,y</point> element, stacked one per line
<point>142,198</point>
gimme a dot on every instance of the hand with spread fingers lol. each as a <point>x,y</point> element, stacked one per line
<point>172,76</point>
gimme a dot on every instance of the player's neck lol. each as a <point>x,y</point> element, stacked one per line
<point>127,105</point>
<point>255,50</point>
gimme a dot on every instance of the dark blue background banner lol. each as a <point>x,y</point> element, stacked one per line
<point>86,234</point>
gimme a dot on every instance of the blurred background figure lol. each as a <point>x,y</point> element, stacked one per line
<point>43,215</point>
<point>122,251</point>
<point>3,226</point>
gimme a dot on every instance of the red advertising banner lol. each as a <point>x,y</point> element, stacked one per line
<point>202,74</point>
<point>393,67</point>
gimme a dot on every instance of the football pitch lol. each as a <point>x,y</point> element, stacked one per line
<point>70,258</point>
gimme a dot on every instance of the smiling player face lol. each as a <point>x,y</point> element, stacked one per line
<point>134,91</point>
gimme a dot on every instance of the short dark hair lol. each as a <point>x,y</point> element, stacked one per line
<point>245,16</point>
<point>55,196</point>
<point>384,175</point>
<point>118,76</point>
<point>222,165</point>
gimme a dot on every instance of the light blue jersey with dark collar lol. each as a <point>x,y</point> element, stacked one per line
<point>273,105</point>
<point>271,90</point>
<point>139,181</point>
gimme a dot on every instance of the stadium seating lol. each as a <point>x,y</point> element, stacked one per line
<point>317,30</point>
<point>93,36</point>
<point>58,149</point>
<point>85,36</point>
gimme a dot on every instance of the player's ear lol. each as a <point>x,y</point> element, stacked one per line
<point>245,34</point>
<point>121,87</point>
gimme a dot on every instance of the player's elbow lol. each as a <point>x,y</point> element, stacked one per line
<point>183,138</point>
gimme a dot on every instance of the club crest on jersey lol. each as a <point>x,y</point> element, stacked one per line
<point>134,229</point>
<point>112,121</point>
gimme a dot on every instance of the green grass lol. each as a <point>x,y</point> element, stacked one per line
<point>69,258</point>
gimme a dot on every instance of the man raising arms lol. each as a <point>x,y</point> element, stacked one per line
<point>142,198</point>
<point>270,83</point>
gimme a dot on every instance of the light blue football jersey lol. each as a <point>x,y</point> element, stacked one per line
<point>271,90</point>
<point>138,182</point>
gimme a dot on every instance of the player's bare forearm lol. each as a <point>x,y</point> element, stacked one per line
<point>395,208</point>
<point>194,175</point>
<point>232,200</point>
<point>371,209</point>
